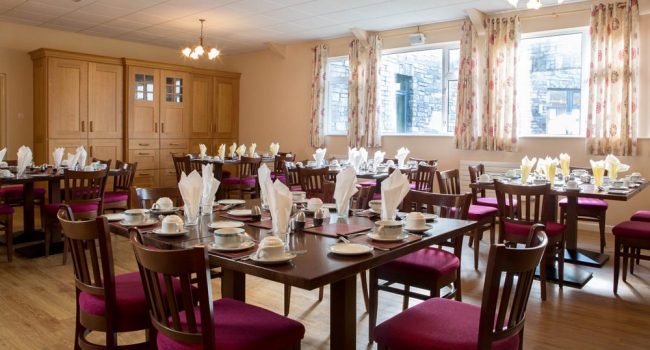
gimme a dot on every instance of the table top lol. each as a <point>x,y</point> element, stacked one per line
<point>316,267</point>
<point>229,161</point>
<point>42,176</point>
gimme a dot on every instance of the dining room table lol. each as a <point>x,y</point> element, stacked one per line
<point>314,264</point>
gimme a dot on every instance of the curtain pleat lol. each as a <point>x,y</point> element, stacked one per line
<point>318,84</point>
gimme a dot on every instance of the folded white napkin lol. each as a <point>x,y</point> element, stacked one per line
<point>401,155</point>
<point>319,156</point>
<point>364,154</point>
<point>210,186</point>
<point>274,148</point>
<point>241,151</point>
<point>57,156</point>
<point>81,156</point>
<point>2,154</point>
<point>221,153</point>
<point>264,177</point>
<point>614,166</point>
<point>280,203</point>
<point>202,150</point>
<point>251,150</point>
<point>379,157</point>
<point>69,161</point>
<point>191,188</point>
<point>393,191</point>
<point>232,150</point>
<point>345,189</point>
<point>24,159</point>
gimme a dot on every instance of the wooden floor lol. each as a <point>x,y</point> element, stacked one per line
<point>37,305</point>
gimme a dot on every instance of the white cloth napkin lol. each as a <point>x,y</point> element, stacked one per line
<point>191,188</point>
<point>614,166</point>
<point>241,151</point>
<point>364,154</point>
<point>319,156</point>
<point>401,155</point>
<point>232,150</point>
<point>69,161</point>
<point>379,157</point>
<point>266,184</point>
<point>210,185</point>
<point>393,191</point>
<point>57,156</point>
<point>274,148</point>
<point>280,203</point>
<point>81,156</point>
<point>2,154</point>
<point>251,150</point>
<point>221,153</point>
<point>202,150</point>
<point>345,189</point>
<point>24,159</point>
<point>354,158</point>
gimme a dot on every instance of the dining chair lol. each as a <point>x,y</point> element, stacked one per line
<point>293,178</point>
<point>531,208</point>
<point>118,198</point>
<point>147,196</point>
<point>449,182</point>
<point>246,181</point>
<point>206,324</point>
<point>12,195</point>
<point>6,225</point>
<point>589,209</point>
<point>479,196</point>
<point>423,178</point>
<point>279,165</point>
<point>101,161</point>
<point>181,164</point>
<point>312,180</point>
<point>83,191</point>
<point>430,268</point>
<point>630,237</point>
<point>427,161</point>
<point>498,323</point>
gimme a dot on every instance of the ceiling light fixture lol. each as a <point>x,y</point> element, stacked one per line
<point>199,50</point>
<point>531,4</point>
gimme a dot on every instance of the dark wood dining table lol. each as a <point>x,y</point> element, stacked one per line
<point>313,268</point>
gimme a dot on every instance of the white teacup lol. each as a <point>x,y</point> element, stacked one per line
<point>298,195</point>
<point>485,178</point>
<point>311,163</point>
<point>5,173</point>
<point>164,204</point>
<point>270,248</point>
<point>635,176</point>
<point>415,220</point>
<point>589,188</point>
<point>133,216</point>
<point>390,163</point>
<point>314,204</point>
<point>572,185</point>
<point>89,168</point>
<point>172,224</point>
<point>389,228</point>
<point>618,184</point>
<point>228,237</point>
<point>375,205</point>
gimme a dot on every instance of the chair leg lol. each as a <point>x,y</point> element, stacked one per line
<point>405,299</point>
<point>560,264</point>
<point>47,228</point>
<point>9,236</point>
<point>66,248</point>
<point>364,288</point>
<point>287,299</point>
<point>457,284</point>
<point>542,276</point>
<point>626,256</point>
<point>373,296</point>
<point>617,256</point>
<point>601,227</point>
<point>477,233</point>
<point>321,292</point>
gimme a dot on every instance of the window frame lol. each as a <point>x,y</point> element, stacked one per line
<point>328,130</point>
<point>584,79</point>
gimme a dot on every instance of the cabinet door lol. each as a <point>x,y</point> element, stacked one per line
<point>174,105</point>
<point>143,99</point>
<point>105,100</point>
<point>167,178</point>
<point>226,97</point>
<point>69,146</point>
<point>105,150</point>
<point>202,120</point>
<point>147,159</point>
<point>145,178</point>
<point>67,98</point>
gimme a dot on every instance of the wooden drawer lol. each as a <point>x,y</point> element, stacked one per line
<point>168,178</point>
<point>146,178</point>
<point>143,144</point>
<point>175,144</point>
<point>166,161</point>
<point>147,159</point>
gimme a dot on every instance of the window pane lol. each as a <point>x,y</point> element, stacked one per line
<point>452,93</point>
<point>410,92</point>
<point>336,110</point>
<point>454,57</point>
<point>549,85</point>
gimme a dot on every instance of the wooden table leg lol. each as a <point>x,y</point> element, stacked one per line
<point>233,285</point>
<point>28,207</point>
<point>54,191</point>
<point>571,233</point>
<point>343,314</point>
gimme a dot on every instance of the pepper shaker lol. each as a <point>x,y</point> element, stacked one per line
<point>299,221</point>
<point>256,213</point>
<point>318,217</point>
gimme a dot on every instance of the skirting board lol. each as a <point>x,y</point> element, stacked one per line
<point>593,227</point>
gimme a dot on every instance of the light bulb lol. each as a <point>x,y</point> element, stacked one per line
<point>560,1</point>
<point>187,52</point>
<point>213,53</point>
<point>199,50</point>
<point>513,2</point>
<point>534,4</point>
<point>194,55</point>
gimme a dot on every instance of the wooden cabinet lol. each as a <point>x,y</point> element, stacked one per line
<point>105,102</point>
<point>202,114</point>
<point>67,96</point>
<point>144,104</point>
<point>226,107</point>
<point>174,101</point>
<point>106,149</point>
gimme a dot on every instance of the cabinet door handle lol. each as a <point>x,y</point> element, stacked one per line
<point>174,144</point>
<point>144,174</point>
<point>143,144</point>
<point>91,126</point>
<point>143,154</point>
<point>91,147</point>
<point>162,128</point>
<point>155,127</point>
<point>83,126</point>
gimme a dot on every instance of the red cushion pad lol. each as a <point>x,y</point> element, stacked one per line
<point>53,208</point>
<point>242,326</point>
<point>421,265</point>
<point>641,215</point>
<point>478,212</point>
<point>437,324</point>
<point>367,183</point>
<point>6,210</point>
<point>115,197</point>
<point>587,203</point>
<point>632,229</point>
<point>282,178</point>
<point>376,196</point>
<point>15,192</point>
<point>247,181</point>
<point>492,201</point>
<point>552,229</point>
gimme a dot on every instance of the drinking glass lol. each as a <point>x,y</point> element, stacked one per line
<point>191,218</point>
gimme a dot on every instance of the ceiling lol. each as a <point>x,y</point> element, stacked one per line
<point>236,26</point>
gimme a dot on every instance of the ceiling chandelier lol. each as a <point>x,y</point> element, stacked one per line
<point>531,4</point>
<point>199,50</point>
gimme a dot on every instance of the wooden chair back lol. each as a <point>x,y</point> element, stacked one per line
<point>181,164</point>
<point>363,197</point>
<point>428,161</point>
<point>449,181</point>
<point>529,208</point>
<point>279,162</point>
<point>475,171</point>
<point>158,268</point>
<point>293,176</point>
<point>248,166</point>
<point>508,280</point>
<point>124,180</point>
<point>85,187</point>
<point>312,180</point>
<point>423,177</point>
<point>217,167</point>
<point>328,192</point>
<point>146,197</point>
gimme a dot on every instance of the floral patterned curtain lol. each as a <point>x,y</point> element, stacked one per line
<point>318,79</point>
<point>372,124</point>
<point>499,123</point>
<point>466,131</point>
<point>613,81</point>
<point>356,96</point>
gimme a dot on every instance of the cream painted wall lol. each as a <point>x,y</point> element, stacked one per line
<point>275,102</point>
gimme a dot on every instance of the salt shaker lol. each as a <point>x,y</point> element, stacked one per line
<point>318,217</point>
<point>299,221</point>
<point>256,213</point>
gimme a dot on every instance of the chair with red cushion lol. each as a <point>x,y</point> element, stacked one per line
<point>292,177</point>
<point>119,197</point>
<point>442,324</point>
<point>12,195</point>
<point>279,165</point>
<point>246,179</point>
<point>429,268</point>
<point>449,182</point>
<point>641,215</point>
<point>423,178</point>
<point>630,237</point>
<point>312,180</point>
<point>219,324</point>
<point>479,195</point>
<point>532,207</point>
<point>6,225</point>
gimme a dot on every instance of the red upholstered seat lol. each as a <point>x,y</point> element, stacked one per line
<point>425,263</point>
<point>478,212</point>
<point>15,192</point>
<point>376,196</point>
<point>247,181</point>
<point>115,197</point>
<point>632,229</point>
<point>492,201</point>
<point>641,215</point>
<point>552,229</point>
<point>437,324</point>
<point>53,208</point>
<point>282,178</point>
<point>242,326</point>
<point>6,210</point>
<point>587,203</point>
<point>367,183</point>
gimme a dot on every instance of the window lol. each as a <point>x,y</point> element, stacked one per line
<point>336,96</point>
<point>550,84</point>
<point>174,90</point>
<point>144,87</point>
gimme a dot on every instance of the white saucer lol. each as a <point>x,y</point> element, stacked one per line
<point>485,182</point>
<point>379,238</point>
<point>232,201</point>
<point>329,206</point>
<point>226,224</point>
<point>111,217</point>
<point>286,257</point>
<point>429,217</point>
<point>147,222</point>
<point>374,211</point>
<point>160,232</point>
<point>242,246</point>
<point>350,249</point>
<point>418,229</point>
<point>300,200</point>
<point>240,212</point>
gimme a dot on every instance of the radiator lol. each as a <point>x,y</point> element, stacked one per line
<point>496,168</point>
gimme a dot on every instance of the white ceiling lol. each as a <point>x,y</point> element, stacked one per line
<point>236,25</point>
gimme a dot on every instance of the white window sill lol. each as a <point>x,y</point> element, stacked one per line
<point>564,137</point>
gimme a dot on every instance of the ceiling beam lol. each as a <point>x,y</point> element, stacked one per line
<point>478,20</point>
<point>278,49</point>
<point>361,35</point>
